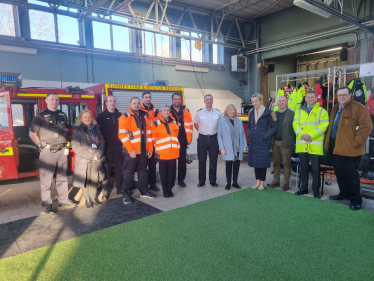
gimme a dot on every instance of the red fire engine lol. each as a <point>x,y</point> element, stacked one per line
<point>18,106</point>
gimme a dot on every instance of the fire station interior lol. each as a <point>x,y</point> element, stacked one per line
<point>230,49</point>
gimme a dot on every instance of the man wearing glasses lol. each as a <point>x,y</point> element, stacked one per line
<point>350,126</point>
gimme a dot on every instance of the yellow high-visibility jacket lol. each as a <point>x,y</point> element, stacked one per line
<point>280,93</point>
<point>314,124</point>
<point>295,99</point>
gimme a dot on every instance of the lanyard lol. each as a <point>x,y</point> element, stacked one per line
<point>93,134</point>
<point>176,114</point>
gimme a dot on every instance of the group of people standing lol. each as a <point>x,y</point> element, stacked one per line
<point>341,137</point>
<point>144,136</point>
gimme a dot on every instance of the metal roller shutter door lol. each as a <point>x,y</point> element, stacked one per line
<point>123,99</point>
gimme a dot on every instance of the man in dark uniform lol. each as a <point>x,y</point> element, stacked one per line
<point>184,120</point>
<point>108,121</point>
<point>49,133</point>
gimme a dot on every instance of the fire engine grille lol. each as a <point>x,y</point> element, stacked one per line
<point>8,79</point>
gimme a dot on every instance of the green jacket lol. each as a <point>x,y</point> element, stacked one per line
<point>288,135</point>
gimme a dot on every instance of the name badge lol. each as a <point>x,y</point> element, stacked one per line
<point>179,124</point>
<point>94,145</point>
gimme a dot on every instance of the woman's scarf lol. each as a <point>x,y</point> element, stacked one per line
<point>235,135</point>
<point>259,112</point>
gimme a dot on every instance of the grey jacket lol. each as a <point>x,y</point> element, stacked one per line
<point>81,142</point>
<point>288,134</point>
<point>224,140</point>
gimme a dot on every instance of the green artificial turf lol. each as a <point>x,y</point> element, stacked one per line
<point>246,235</point>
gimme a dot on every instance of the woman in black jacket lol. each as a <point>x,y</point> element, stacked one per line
<point>261,128</point>
<point>89,146</point>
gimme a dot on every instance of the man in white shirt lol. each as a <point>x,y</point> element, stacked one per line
<point>206,123</point>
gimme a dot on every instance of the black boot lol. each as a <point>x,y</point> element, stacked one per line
<point>88,204</point>
<point>228,186</point>
<point>95,202</point>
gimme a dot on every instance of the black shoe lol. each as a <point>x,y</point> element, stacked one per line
<point>337,197</point>
<point>154,188</point>
<point>127,199</point>
<point>214,184</point>
<point>68,203</point>
<point>201,184</point>
<point>301,192</point>
<point>95,202</point>
<point>237,186</point>
<point>105,197</point>
<point>356,207</point>
<point>48,211</point>
<point>228,186</point>
<point>147,194</point>
<point>182,184</point>
<point>317,195</point>
<point>88,204</point>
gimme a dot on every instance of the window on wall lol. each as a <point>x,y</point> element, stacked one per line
<point>6,20</point>
<point>156,44</point>
<point>112,37</point>
<point>189,52</point>
<point>218,53</point>
<point>43,26</point>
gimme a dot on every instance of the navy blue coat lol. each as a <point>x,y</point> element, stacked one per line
<point>258,149</point>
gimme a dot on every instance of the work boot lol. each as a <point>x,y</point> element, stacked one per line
<point>274,184</point>
<point>285,187</point>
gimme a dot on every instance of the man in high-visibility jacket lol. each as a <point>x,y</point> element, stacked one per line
<point>152,114</point>
<point>310,124</point>
<point>182,116</point>
<point>134,130</point>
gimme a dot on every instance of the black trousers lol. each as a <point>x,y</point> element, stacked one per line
<point>260,174</point>
<point>304,172</point>
<point>348,178</point>
<point>152,162</point>
<point>207,145</point>
<point>232,168</point>
<point>92,180</point>
<point>182,160</point>
<point>167,170</point>
<point>129,165</point>
<point>113,155</point>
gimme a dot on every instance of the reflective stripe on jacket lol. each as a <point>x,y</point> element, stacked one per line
<point>188,124</point>
<point>314,124</point>
<point>133,130</point>
<point>152,112</point>
<point>165,138</point>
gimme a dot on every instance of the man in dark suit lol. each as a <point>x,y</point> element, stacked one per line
<point>284,140</point>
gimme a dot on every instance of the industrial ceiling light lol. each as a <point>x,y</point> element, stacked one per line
<point>20,50</point>
<point>313,9</point>
<point>323,51</point>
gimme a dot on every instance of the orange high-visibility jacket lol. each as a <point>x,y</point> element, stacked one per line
<point>165,138</point>
<point>187,119</point>
<point>152,112</point>
<point>133,130</point>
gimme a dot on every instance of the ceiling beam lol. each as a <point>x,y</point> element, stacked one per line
<point>339,15</point>
<point>92,9</point>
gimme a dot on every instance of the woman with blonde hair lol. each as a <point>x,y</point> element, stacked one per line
<point>232,143</point>
<point>88,145</point>
<point>261,127</point>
